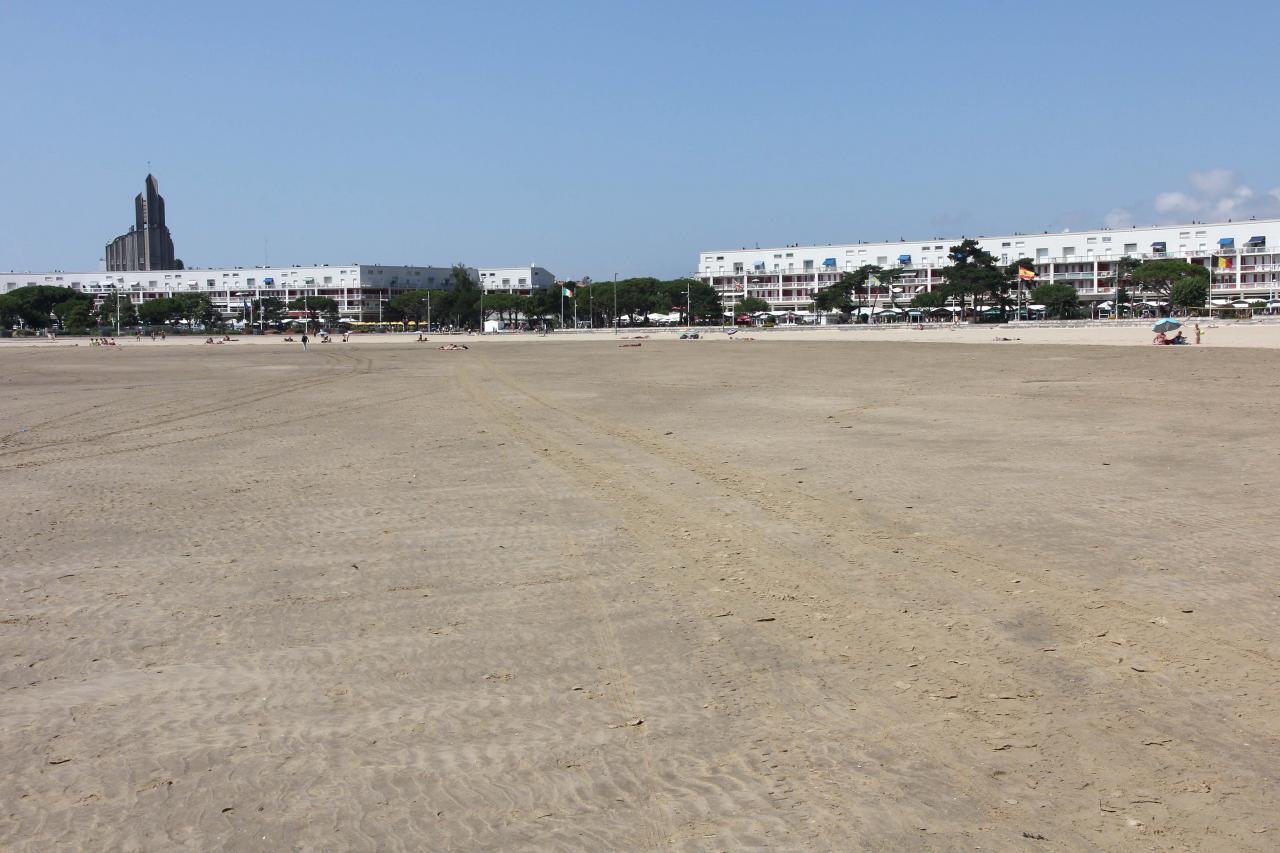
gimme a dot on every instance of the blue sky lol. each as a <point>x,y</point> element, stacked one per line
<point>595,138</point>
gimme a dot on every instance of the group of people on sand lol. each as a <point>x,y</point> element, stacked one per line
<point>226,339</point>
<point>102,342</point>
<point>1163,339</point>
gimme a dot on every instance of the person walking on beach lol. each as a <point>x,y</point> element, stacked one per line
<point>1197,333</point>
<point>304,341</point>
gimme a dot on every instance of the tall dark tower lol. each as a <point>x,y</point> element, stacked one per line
<point>147,245</point>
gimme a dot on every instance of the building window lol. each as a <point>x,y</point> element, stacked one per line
<point>524,281</point>
<point>1106,239</point>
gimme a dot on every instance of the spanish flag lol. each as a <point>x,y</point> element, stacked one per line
<point>1026,274</point>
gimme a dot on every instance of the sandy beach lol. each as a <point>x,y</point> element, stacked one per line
<point>801,593</point>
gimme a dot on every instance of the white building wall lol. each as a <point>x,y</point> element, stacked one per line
<point>358,288</point>
<point>789,276</point>
<point>515,279</point>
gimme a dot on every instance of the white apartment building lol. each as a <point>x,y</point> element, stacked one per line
<point>361,290</point>
<point>1244,258</point>
<point>520,280</point>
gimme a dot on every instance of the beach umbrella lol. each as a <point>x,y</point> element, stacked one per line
<point>1168,324</point>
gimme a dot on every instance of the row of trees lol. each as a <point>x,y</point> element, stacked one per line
<point>46,306</point>
<point>461,304</point>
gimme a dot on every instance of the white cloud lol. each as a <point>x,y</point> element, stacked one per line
<point>1118,218</point>
<point>1176,202</point>
<point>1218,194</point>
<point>1214,183</point>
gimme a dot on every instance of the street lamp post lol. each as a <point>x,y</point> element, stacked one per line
<point>117,290</point>
<point>482,307</point>
<point>615,303</point>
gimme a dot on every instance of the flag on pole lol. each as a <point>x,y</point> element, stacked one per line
<point>566,290</point>
<point>1224,263</point>
<point>1026,274</point>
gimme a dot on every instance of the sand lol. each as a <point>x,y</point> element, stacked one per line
<point>791,595</point>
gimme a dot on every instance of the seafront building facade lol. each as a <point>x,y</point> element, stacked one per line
<point>361,290</point>
<point>517,280</point>
<point>1244,257</point>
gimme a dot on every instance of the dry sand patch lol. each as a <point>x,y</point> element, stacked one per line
<point>695,596</point>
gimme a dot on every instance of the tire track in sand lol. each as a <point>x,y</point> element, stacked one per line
<point>1067,685</point>
<point>753,701</point>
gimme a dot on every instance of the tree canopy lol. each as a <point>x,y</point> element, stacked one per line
<point>107,311</point>
<point>414,306</point>
<point>188,307</point>
<point>751,305</point>
<point>1060,300</point>
<point>1189,293</point>
<point>269,309</point>
<point>40,306</point>
<point>974,273</point>
<point>315,306</point>
<point>928,299</point>
<point>1161,276</point>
